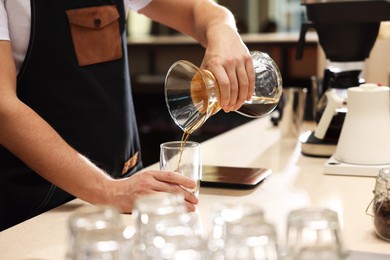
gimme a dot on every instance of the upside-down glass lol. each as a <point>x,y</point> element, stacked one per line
<point>164,227</point>
<point>177,236</point>
<point>256,241</point>
<point>314,233</point>
<point>192,95</point>
<point>98,244</point>
<point>239,231</point>
<point>151,209</point>
<point>184,158</point>
<point>88,219</point>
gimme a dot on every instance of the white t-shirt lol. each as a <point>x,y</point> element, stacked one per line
<point>15,17</point>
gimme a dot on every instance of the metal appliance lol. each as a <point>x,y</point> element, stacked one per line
<point>347,31</point>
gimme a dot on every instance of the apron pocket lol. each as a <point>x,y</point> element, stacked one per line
<point>95,34</point>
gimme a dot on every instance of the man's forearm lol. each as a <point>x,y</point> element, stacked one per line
<point>209,18</point>
<point>192,17</point>
<point>31,139</point>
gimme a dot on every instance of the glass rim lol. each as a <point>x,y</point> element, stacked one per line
<point>317,216</point>
<point>178,144</point>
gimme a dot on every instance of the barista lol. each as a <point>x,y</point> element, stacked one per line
<point>67,122</point>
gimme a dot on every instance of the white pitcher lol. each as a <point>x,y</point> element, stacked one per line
<point>365,136</point>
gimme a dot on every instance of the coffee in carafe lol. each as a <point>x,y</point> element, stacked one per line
<point>192,95</point>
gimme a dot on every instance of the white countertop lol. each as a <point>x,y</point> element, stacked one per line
<point>297,181</point>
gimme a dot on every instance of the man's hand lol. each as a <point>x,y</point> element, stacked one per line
<point>232,66</point>
<point>124,192</point>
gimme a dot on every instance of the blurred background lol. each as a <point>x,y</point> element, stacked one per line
<point>270,26</point>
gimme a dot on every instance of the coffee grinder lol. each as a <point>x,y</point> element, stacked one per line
<point>347,31</point>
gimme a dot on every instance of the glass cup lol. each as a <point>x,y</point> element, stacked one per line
<point>192,94</point>
<point>151,209</point>
<point>88,219</point>
<point>251,241</point>
<point>162,218</point>
<point>314,233</point>
<point>177,236</point>
<point>184,158</point>
<point>230,222</point>
<point>109,244</point>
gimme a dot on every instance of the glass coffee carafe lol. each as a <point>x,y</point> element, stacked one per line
<point>192,94</point>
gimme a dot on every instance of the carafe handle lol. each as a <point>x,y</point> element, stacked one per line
<point>334,102</point>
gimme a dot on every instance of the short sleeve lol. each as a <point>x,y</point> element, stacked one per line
<point>4,33</point>
<point>137,5</point>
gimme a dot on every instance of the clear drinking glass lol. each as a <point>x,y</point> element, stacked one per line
<point>177,236</point>
<point>192,95</point>
<point>165,228</point>
<point>256,241</point>
<point>184,158</point>
<point>314,233</point>
<point>229,220</point>
<point>151,209</point>
<point>98,244</point>
<point>148,212</point>
<point>88,219</point>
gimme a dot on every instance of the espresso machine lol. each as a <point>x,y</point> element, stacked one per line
<point>347,31</point>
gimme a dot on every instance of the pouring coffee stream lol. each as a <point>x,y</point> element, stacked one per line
<point>192,95</point>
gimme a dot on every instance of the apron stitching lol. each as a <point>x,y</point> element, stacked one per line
<point>44,201</point>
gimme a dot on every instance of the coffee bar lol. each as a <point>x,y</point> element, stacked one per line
<point>155,54</point>
<point>303,173</point>
<point>296,181</point>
